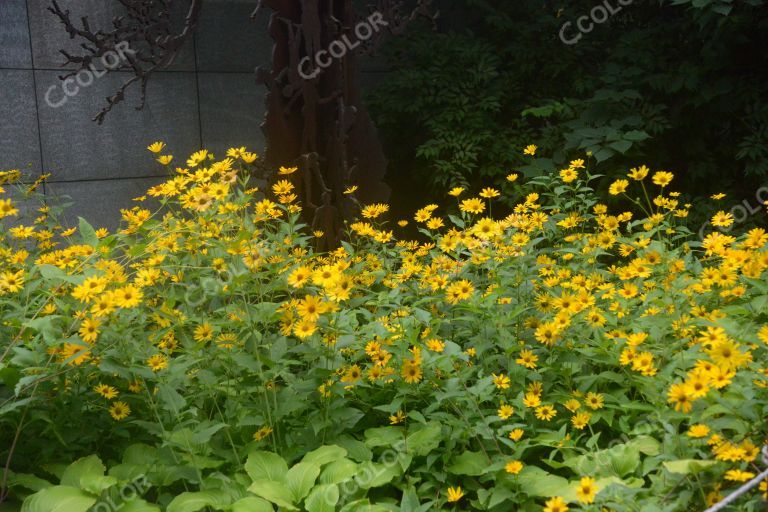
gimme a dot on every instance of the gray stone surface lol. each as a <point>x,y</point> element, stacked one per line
<point>19,141</point>
<point>229,40</point>
<point>49,35</point>
<point>14,35</point>
<point>99,202</point>
<point>232,110</point>
<point>74,147</point>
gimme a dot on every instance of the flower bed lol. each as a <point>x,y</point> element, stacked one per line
<point>205,356</point>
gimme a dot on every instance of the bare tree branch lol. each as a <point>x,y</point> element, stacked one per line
<point>143,40</point>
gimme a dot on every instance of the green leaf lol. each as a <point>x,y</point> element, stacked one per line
<point>537,482</point>
<point>688,466</point>
<point>383,436</point>
<point>87,232</point>
<point>425,440</point>
<point>194,501</point>
<point>27,481</point>
<point>95,484</point>
<point>621,145</point>
<point>469,463</point>
<point>252,504</point>
<point>90,466</point>
<point>325,455</point>
<point>300,479</point>
<point>61,498</point>
<point>323,498</point>
<point>339,471</point>
<point>263,465</point>
<point>138,505</point>
<point>276,492</point>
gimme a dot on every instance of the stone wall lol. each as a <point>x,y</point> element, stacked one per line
<point>208,98</point>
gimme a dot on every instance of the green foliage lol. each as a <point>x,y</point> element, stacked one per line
<point>680,84</point>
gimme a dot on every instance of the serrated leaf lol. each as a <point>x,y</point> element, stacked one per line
<point>469,463</point>
<point>87,232</point>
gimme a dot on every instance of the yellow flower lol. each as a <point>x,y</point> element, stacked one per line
<point>157,362</point>
<point>639,173</point>
<point>530,149</point>
<point>512,177</point>
<point>698,430</point>
<point>580,420</point>
<point>460,290</point>
<point>350,190</point>
<point>397,418</point>
<point>586,490</point>
<point>516,434</point>
<point>527,358</point>
<point>165,159</point>
<point>618,187</point>
<point>119,411</point>
<point>89,330</point>
<point>262,433</point>
<point>11,282</point>
<point>718,196</point>
<point>513,467</point>
<point>305,328</point>
<point>203,333</point>
<point>106,391</point>
<point>501,381</point>
<point>455,494</point>
<point>282,187</point>
<point>505,411</point>
<point>545,412</point>
<point>287,170</point>
<point>663,178</point>
<point>722,219</point>
<point>456,191</point>
<point>555,504</point>
<point>594,400</point>
<point>489,193</point>
<point>473,205</point>
<point>736,475</point>
<point>249,157</point>
<point>156,147</point>
<point>568,175</point>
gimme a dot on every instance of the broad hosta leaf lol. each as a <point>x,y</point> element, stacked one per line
<point>300,479</point>
<point>90,466</point>
<point>323,498</point>
<point>138,505</point>
<point>60,498</point>
<point>194,501</point>
<point>276,492</point>
<point>337,472</point>
<point>96,484</point>
<point>325,455</point>
<point>252,504</point>
<point>266,466</point>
